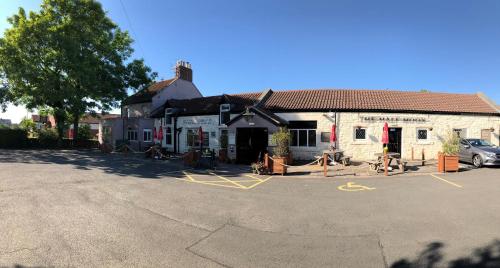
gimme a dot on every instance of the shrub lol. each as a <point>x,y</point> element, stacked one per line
<point>13,138</point>
<point>282,140</point>
<point>48,137</point>
<point>451,146</point>
<point>84,132</point>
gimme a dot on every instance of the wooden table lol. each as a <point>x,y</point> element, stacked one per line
<point>390,157</point>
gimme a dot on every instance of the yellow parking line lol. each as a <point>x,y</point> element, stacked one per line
<point>215,184</point>
<point>189,176</point>
<point>447,181</point>
<point>231,180</point>
<point>235,183</point>
<point>264,180</point>
<point>253,177</point>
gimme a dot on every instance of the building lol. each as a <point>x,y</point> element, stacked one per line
<point>135,124</point>
<point>417,120</point>
<point>5,122</point>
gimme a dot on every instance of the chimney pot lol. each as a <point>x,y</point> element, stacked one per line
<point>183,71</point>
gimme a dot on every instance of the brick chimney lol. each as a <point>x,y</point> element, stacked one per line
<point>183,70</point>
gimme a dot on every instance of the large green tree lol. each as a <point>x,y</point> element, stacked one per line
<point>71,57</point>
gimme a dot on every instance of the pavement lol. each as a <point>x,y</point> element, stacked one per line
<point>84,208</point>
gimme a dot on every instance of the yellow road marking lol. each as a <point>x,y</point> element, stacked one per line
<point>262,181</point>
<point>220,177</point>
<point>189,176</point>
<point>214,184</point>
<point>253,177</point>
<point>231,180</point>
<point>447,181</point>
<point>352,187</point>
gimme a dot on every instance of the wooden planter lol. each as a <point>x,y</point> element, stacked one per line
<point>447,163</point>
<point>451,163</point>
<point>278,165</point>
<point>223,155</point>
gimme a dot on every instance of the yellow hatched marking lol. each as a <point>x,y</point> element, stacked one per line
<point>188,175</point>
<point>233,182</point>
<point>447,181</point>
<point>214,184</point>
<point>253,177</point>
<point>262,181</point>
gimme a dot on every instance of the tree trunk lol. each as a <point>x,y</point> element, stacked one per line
<point>75,129</point>
<point>60,117</point>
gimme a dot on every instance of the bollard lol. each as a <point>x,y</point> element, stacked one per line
<point>412,154</point>
<point>386,171</point>
<point>325,161</point>
<point>423,157</point>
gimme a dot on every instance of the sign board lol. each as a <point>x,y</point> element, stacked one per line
<point>197,122</point>
<point>231,138</point>
<point>393,119</point>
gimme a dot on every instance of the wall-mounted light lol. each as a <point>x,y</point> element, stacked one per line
<point>431,128</point>
<point>492,129</point>
<point>248,115</point>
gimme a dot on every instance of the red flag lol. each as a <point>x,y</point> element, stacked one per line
<point>154,134</point>
<point>160,134</point>
<point>385,134</point>
<point>333,134</point>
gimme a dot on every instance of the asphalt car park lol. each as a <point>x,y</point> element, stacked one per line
<point>77,208</point>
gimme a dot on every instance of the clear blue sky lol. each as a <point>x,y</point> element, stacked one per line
<point>234,46</point>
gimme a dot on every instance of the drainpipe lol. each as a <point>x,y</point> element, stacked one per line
<point>175,135</point>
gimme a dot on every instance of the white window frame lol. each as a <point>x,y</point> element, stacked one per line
<point>307,139</point>
<point>150,131</point>
<point>423,141</point>
<point>354,134</point>
<point>132,131</point>
<point>224,108</point>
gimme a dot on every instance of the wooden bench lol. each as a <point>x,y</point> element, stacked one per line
<point>374,165</point>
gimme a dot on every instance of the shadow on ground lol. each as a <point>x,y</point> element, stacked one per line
<point>135,165</point>
<point>432,256</point>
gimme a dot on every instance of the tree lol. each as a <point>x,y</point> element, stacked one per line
<point>28,125</point>
<point>71,58</point>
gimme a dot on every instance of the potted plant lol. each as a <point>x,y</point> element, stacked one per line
<point>281,139</point>
<point>223,148</point>
<point>448,158</point>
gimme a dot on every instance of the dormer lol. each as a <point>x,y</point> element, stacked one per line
<point>224,113</point>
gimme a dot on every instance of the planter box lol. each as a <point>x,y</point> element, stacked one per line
<point>223,155</point>
<point>450,163</point>
<point>277,165</point>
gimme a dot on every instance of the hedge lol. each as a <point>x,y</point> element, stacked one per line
<point>13,138</point>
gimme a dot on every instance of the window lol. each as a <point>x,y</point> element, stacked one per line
<point>147,135</point>
<point>303,137</point>
<point>325,136</point>
<point>360,133</point>
<point>168,116</point>
<point>132,135</point>
<point>461,132</point>
<point>225,113</point>
<point>168,135</point>
<point>194,141</point>
<point>422,134</point>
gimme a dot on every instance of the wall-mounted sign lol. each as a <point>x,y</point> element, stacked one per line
<point>394,119</point>
<point>201,121</point>
<point>231,138</point>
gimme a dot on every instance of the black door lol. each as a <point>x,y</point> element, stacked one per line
<point>394,140</point>
<point>250,142</point>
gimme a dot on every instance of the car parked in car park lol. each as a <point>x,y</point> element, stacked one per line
<point>479,152</point>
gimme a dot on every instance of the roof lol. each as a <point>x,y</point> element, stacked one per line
<point>376,100</point>
<point>265,114</point>
<point>91,119</point>
<point>146,95</point>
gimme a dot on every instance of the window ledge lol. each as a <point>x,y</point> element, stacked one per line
<point>425,142</point>
<point>360,142</point>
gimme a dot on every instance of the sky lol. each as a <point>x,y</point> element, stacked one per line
<point>241,46</point>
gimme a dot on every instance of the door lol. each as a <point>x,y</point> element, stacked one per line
<point>250,143</point>
<point>486,134</point>
<point>394,144</point>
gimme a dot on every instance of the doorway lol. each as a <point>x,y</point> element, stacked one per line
<point>250,142</point>
<point>394,144</point>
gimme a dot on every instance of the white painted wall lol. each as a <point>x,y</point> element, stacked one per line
<point>209,123</point>
<point>179,89</point>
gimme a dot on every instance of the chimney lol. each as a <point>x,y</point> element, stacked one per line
<point>183,70</point>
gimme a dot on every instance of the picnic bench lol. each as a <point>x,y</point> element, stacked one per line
<point>378,164</point>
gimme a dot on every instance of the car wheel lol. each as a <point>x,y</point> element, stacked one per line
<point>477,161</point>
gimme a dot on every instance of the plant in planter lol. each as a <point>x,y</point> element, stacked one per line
<point>448,158</point>
<point>281,139</point>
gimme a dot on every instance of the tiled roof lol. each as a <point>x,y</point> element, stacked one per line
<point>203,105</point>
<point>91,119</point>
<point>147,94</point>
<point>376,100</point>
<point>240,101</point>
